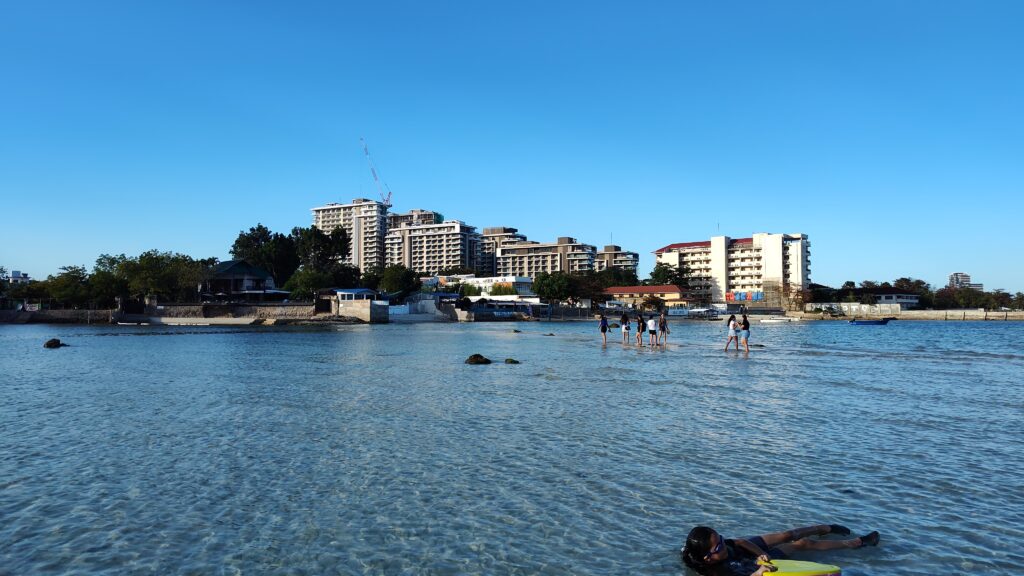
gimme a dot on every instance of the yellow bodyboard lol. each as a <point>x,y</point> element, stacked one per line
<point>801,568</point>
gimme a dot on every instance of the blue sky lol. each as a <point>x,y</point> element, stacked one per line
<point>889,132</point>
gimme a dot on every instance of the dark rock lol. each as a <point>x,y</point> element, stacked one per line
<point>477,359</point>
<point>518,331</point>
<point>511,361</point>
<point>54,343</point>
<point>614,325</point>
<point>549,334</point>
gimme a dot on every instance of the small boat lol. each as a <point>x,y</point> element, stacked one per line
<point>881,322</point>
<point>778,320</point>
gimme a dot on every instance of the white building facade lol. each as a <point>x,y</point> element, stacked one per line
<point>725,269</point>
<point>531,258</point>
<point>612,256</point>
<point>365,221</point>
<point>429,248</point>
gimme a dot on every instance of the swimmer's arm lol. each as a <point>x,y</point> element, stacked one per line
<point>749,547</point>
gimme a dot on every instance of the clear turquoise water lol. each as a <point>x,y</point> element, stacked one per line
<point>375,450</point>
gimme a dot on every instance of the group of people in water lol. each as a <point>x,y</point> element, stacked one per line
<point>657,330</point>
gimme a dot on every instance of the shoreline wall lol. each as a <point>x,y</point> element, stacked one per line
<point>944,315</point>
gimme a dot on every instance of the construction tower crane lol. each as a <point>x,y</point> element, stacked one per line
<point>381,186</point>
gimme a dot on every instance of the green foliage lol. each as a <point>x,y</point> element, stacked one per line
<point>455,271</point>
<point>465,290</point>
<point>305,283</point>
<point>503,289</point>
<point>653,302</point>
<point>272,251</point>
<point>552,286</point>
<point>317,250</point>
<point>371,278</point>
<point>666,274</point>
<point>70,286</point>
<point>398,279</point>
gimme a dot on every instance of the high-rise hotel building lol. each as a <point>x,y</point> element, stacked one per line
<point>531,258</point>
<point>430,248</point>
<point>365,221</point>
<point>612,256</point>
<point>492,240</point>
<point>724,268</point>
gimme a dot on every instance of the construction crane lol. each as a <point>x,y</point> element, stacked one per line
<point>381,186</point>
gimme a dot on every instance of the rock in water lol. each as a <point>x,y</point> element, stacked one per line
<point>518,331</point>
<point>477,359</point>
<point>54,343</point>
<point>511,361</point>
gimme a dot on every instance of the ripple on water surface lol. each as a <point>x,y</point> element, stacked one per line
<point>376,450</point>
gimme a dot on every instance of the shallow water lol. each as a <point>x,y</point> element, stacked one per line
<point>375,450</point>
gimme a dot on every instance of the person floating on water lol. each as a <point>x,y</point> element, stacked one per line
<point>711,554</point>
<point>603,323</point>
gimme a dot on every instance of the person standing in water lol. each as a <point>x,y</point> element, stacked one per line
<point>624,322</point>
<point>603,323</point>
<point>652,331</point>
<point>639,330</point>
<point>663,330</point>
<point>744,334</point>
<point>731,322</point>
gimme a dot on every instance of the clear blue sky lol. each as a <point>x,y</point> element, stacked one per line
<point>890,132</point>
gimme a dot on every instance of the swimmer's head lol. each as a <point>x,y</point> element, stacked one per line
<point>703,547</point>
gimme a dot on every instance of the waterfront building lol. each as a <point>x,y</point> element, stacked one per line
<point>531,258</point>
<point>414,217</point>
<point>522,284</point>
<point>634,296</point>
<point>491,241</point>
<point>240,281</point>
<point>612,256</point>
<point>963,280</point>
<point>766,268</point>
<point>18,277</point>
<point>430,248</point>
<point>365,221</point>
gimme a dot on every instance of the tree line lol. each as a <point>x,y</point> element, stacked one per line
<point>944,298</point>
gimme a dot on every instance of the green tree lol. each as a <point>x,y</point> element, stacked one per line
<point>503,289</point>
<point>371,278</point>
<point>848,285</point>
<point>653,302</point>
<point>455,271</point>
<point>317,250</point>
<point>274,252</point>
<point>70,287</point>
<point>465,290</point>
<point>1018,301</point>
<point>667,274</point>
<point>305,283</point>
<point>398,279</point>
<point>552,286</point>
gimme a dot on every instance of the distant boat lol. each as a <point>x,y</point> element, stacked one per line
<point>881,322</point>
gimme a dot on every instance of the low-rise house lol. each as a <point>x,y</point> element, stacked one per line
<point>635,295</point>
<point>238,280</point>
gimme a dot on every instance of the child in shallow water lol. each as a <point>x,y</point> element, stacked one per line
<point>709,553</point>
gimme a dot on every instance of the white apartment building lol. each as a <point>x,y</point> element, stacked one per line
<point>491,240</point>
<point>963,280</point>
<point>612,256</point>
<point>414,217</point>
<point>365,221</point>
<point>428,248</point>
<point>736,269</point>
<point>531,258</point>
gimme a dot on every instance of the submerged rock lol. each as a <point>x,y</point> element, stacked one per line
<point>477,359</point>
<point>549,334</point>
<point>511,361</point>
<point>54,343</point>
<point>517,331</point>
